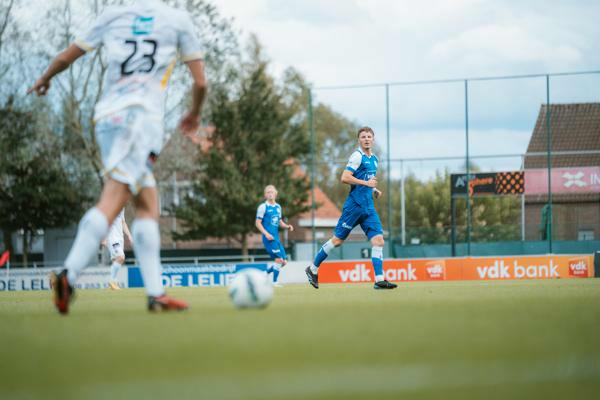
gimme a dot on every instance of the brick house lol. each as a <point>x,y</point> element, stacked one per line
<point>575,144</point>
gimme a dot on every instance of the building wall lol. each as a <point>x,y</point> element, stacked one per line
<point>568,220</point>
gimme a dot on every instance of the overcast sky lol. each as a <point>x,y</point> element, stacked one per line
<point>340,42</point>
<point>356,42</point>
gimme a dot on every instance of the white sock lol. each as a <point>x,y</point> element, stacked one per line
<point>114,270</point>
<point>146,245</point>
<point>377,252</point>
<point>328,246</point>
<point>314,269</point>
<point>93,227</point>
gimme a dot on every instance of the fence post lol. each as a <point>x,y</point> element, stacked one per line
<point>312,172</point>
<point>453,225</point>
<point>402,203</point>
<point>468,168</point>
<point>549,160</point>
<point>389,173</point>
<point>523,202</point>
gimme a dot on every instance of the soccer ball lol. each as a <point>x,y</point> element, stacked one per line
<point>251,288</point>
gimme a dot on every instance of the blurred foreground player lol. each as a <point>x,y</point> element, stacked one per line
<point>359,209</point>
<point>141,44</point>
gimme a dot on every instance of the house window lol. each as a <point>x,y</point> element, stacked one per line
<point>585,235</point>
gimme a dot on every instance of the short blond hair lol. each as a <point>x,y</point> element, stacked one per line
<point>270,187</point>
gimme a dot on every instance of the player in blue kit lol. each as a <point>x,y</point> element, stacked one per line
<point>268,221</point>
<point>359,209</point>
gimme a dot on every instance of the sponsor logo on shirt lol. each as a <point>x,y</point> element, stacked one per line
<point>143,25</point>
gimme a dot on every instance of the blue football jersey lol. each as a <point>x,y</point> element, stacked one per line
<point>364,168</point>
<point>270,214</point>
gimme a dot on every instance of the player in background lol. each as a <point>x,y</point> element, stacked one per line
<point>359,209</point>
<point>141,43</point>
<point>268,221</point>
<point>115,243</point>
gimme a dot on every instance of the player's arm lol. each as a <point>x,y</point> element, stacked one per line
<point>61,62</point>
<point>349,179</point>
<point>262,229</point>
<point>191,121</point>
<point>286,226</point>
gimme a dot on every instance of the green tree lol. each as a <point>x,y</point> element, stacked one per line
<point>35,191</point>
<point>255,142</point>
<point>428,212</point>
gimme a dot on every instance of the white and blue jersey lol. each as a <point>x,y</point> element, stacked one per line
<point>270,215</point>
<point>359,208</point>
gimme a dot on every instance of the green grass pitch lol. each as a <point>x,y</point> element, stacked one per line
<point>446,340</point>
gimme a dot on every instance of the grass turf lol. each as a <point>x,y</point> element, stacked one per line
<point>450,340</point>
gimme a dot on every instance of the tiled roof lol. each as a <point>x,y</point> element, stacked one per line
<point>573,127</point>
<point>325,207</point>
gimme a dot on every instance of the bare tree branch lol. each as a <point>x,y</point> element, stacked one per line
<point>4,22</point>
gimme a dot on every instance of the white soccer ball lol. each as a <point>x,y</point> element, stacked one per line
<point>251,288</point>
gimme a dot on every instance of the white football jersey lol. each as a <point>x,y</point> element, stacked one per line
<point>141,43</point>
<point>115,233</point>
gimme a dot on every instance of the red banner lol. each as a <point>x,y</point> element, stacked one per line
<point>4,258</point>
<point>469,268</point>
<point>564,180</point>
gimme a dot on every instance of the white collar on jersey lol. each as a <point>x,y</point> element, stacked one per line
<point>363,153</point>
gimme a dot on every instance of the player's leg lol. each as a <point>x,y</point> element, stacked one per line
<point>372,227</point>
<point>312,271</point>
<point>92,228</point>
<point>377,244</point>
<point>324,251</point>
<point>351,216</point>
<point>280,262</point>
<point>118,259</point>
<point>146,245</point>
<point>275,268</point>
<point>273,252</point>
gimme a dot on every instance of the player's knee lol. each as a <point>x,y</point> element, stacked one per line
<point>337,242</point>
<point>378,241</point>
<point>120,259</point>
<point>280,261</point>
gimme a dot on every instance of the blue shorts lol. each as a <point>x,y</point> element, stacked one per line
<point>353,215</point>
<point>274,248</point>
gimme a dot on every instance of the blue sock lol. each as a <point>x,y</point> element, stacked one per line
<point>377,259</point>
<point>321,256</point>
<point>274,269</point>
<point>323,253</point>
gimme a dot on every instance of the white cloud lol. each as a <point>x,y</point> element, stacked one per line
<point>361,41</point>
<point>504,44</point>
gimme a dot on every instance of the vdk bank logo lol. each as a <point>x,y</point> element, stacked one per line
<point>578,267</point>
<point>436,270</point>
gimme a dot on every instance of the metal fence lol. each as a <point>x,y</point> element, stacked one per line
<point>468,126</point>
